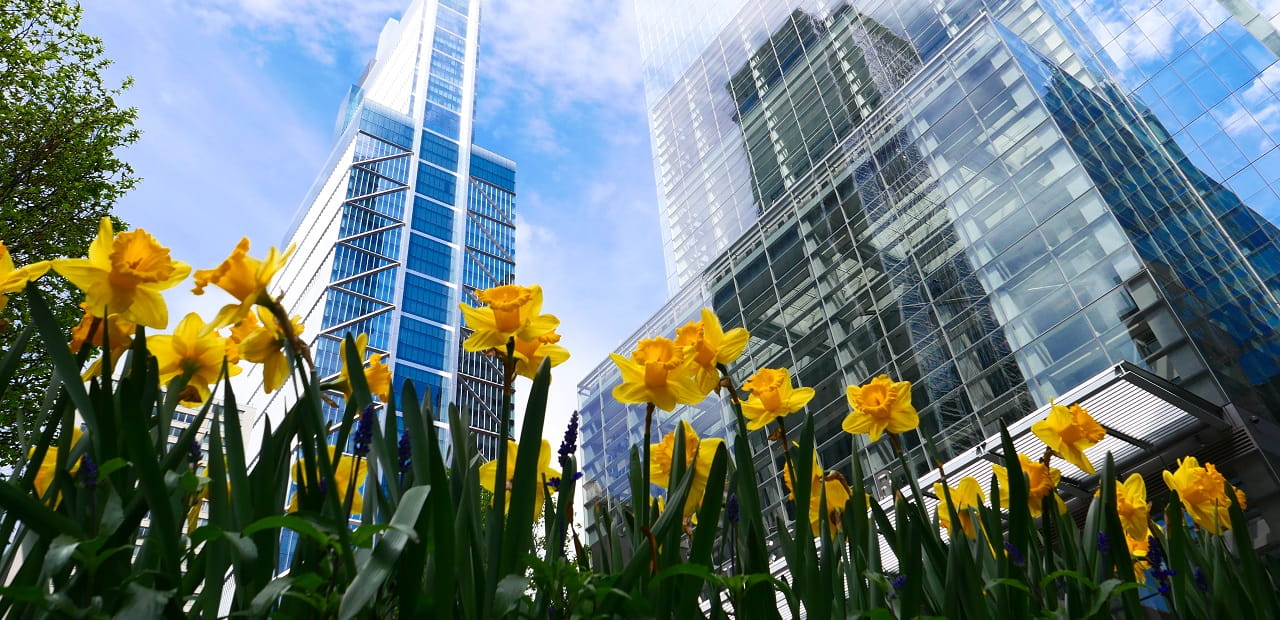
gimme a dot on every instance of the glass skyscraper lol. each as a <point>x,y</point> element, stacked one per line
<point>996,200</point>
<point>407,219</point>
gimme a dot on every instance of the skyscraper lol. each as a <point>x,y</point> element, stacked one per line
<point>406,220</point>
<point>1001,201</point>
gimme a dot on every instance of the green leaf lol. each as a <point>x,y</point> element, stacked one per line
<point>36,515</point>
<point>508,594</point>
<point>518,533</point>
<point>64,365</point>
<point>375,570</point>
<point>291,522</point>
<point>13,356</point>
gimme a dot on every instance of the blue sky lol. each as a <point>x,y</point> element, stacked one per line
<point>237,101</point>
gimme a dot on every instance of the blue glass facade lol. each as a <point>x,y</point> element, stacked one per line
<point>969,195</point>
<point>407,219</point>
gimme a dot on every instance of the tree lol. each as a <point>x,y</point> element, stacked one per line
<point>60,128</point>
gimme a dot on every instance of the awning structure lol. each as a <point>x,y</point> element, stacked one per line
<point>1146,418</point>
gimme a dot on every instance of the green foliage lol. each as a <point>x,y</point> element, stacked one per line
<point>60,127</point>
<point>432,543</point>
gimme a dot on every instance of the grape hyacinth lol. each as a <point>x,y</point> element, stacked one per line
<point>363,434</point>
<point>194,453</point>
<point>1015,555</point>
<point>88,472</point>
<point>405,449</point>
<point>570,443</point>
<point>731,508</point>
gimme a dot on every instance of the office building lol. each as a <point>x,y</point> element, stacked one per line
<point>406,220</point>
<point>1002,201</point>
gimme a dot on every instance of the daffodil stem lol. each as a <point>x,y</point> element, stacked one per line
<point>643,512</point>
<point>299,347</point>
<point>786,455</point>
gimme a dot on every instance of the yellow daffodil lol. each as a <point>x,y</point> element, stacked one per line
<point>1202,493</point>
<point>376,374</point>
<point>1138,549</point>
<point>660,454</point>
<point>699,453</point>
<point>48,466</point>
<point>489,474</point>
<point>881,405</point>
<point>708,344</point>
<point>89,331</point>
<point>237,334</point>
<point>198,500</point>
<point>772,397</point>
<point>510,311</point>
<point>15,280</point>
<point>966,496</point>
<point>1069,431</point>
<point>124,275</point>
<point>530,353</point>
<point>267,345</point>
<point>659,373</point>
<point>190,350</point>
<point>1131,503</point>
<point>832,483</point>
<point>346,473</point>
<point>787,477</point>
<point>1042,480</point>
<point>246,278</point>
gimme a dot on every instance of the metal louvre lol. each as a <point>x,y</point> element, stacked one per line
<point>1143,415</point>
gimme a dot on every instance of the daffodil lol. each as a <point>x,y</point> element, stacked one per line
<point>489,474</point>
<point>190,351</point>
<point>967,496</point>
<point>1069,431</point>
<point>15,280</point>
<point>244,277</point>
<point>709,345</point>
<point>48,466</point>
<point>346,473</point>
<point>881,405</point>
<point>815,472</point>
<point>659,373</point>
<point>267,345</point>
<point>1202,491</point>
<point>124,275</point>
<point>772,397</point>
<point>699,453</point>
<point>530,353</point>
<point>376,373</point>
<point>1131,503</point>
<point>1138,549</point>
<point>237,334</point>
<point>1042,480</point>
<point>510,311</point>
<point>832,483</point>
<point>661,454</point>
<point>89,331</point>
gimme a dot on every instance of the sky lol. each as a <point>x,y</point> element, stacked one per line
<point>237,101</point>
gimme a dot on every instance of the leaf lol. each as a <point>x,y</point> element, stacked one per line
<point>508,594</point>
<point>35,514</point>
<point>291,522</point>
<point>1106,590</point>
<point>143,602</point>
<point>374,571</point>
<point>55,347</point>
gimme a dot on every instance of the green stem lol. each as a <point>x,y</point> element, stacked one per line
<point>642,504</point>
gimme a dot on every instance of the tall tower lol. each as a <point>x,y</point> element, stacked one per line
<point>406,220</point>
<point>1001,201</point>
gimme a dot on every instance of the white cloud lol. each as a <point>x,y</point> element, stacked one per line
<point>578,50</point>
<point>318,26</point>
